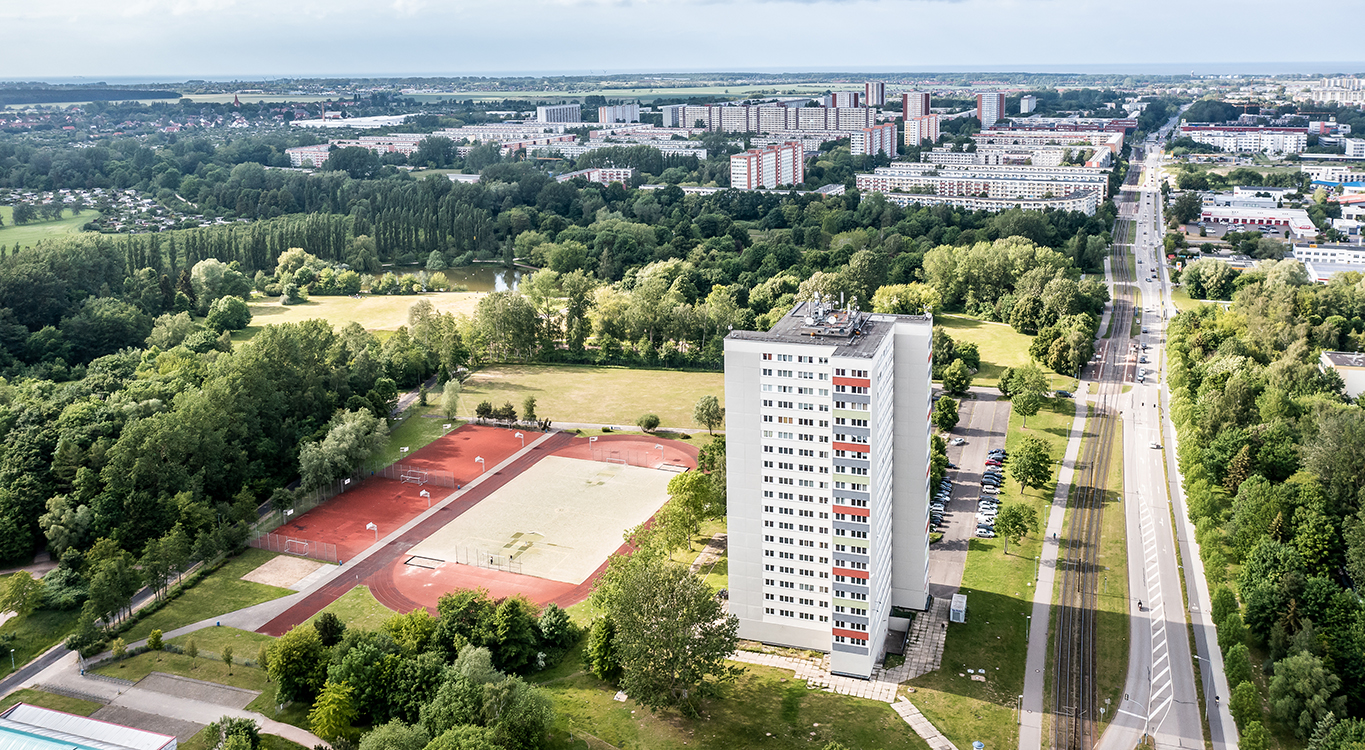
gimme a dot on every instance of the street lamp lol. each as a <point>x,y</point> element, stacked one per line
<point>11,660</point>
<point>523,438</point>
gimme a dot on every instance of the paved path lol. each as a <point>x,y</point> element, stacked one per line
<point>935,739</point>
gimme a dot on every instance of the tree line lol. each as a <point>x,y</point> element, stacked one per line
<point>1271,454</point>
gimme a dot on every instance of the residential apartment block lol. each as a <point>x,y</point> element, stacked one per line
<point>767,118</point>
<point>619,113</point>
<point>1027,104</point>
<point>874,140</point>
<point>827,418</point>
<point>1002,181</point>
<point>604,175</point>
<point>915,104</point>
<point>1248,138</point>
<point>920,129</point>
<point>990,108</point>
<point>844,99</point>
<point>874,94</point>
<point>770,167</point>
<point>558,113</point>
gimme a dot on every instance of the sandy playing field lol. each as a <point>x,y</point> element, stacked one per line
<point>283,571</point>
<point>559,519</point>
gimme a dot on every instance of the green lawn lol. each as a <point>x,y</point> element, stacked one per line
<point>1000,345</point>
<point>218,593</point>
<point>1182,299</point>
<point>999,600</point>
<point>50,700</point>
<point>29,234</point>
<point>765,708</point>
<point>358,609</point>
<point>374,312</point>
<point>245,644</point>
<point>36,633</point>
<point>419,426</point>
<point>596,395</point>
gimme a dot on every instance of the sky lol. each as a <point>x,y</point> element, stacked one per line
<point>183,39</point>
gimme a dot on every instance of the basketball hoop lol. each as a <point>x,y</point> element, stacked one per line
<point>373,527</point>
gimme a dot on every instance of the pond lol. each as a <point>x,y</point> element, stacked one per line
<point>483,277</point>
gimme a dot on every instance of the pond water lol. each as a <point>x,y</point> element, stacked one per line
<point>479,278</point>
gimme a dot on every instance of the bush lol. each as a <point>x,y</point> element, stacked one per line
<point>191,649</point>
<point>648,422</point>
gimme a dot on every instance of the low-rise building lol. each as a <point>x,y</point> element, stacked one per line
<point>1349,365</point>
<point>1294,219</point>
<point>603,175</point>
<point>1355,147</point>
<point>25,727</point>
<point>1333,254</point>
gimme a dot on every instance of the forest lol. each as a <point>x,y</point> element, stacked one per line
<point>1273,457</point>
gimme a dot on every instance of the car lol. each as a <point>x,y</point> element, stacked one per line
<point>1144,330</point>
<point>995,451</point>
<point>1142,359</point>
<point>1063,394</point>
<point>994,462</point>
<point>957,441</point>
<point>993,472</point>
<point>991,490</point>
<point>952,465</point>
<point>988,509</point>
<point>985,533</point>
<point>1156,446</point>
<point>992,482</point>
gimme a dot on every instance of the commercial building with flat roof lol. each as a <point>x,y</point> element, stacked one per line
<point>827,419</point>
<point>25,727</point>
<point>1349,365</point>
<point>1294,219</point>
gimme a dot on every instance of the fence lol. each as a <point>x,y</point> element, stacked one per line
<point>479,558</point>
<point>324,551</point>
<point>645,458</point>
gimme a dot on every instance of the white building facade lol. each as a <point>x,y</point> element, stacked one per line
<point>619,113</point>
<point>918,129</point>
<point>874,94</point>
<point>874,140</point>
<point>915,104</point>
<point>990,108</point>
<point>828,465</point>
<point>558,113</point>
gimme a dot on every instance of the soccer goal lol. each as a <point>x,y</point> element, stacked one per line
<point>615,458</point>
<point>296,547</point>
<point>413,476</point>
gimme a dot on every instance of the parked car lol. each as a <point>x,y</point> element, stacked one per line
<point>952,465</point>
<point>985,533</point>
<point>997,452</point>
<point>994,462</point>
<point>1063,394</point>
<point>991,490</point>
<point>957,441</point>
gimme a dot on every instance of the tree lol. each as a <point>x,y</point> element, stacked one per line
<point>395,735</point>
<point>228,314</point>
<point>465,737</point>
<point>601,652</point>
<point>354,436</point>
<point>22,594</point>
<point>227,655</point>
<point>231,731</point>
<point>1237,664</point>
<point>1014,521</point>
<point>1301,693</point>
<point>957,378</point>
<point>708,413</point>
<point>648,422</point>
<point>519,714</point>
<point>672,636</point>
<point>412,632</point>
<point>1026,404</point>
<point>528,409</point>
<point>1245,703</point>
<point>298,664</point>
<point>906,299</point>
<point>191,649</point>
<point>450,398</point>
<point>330,628</point>
<point>1254,737</point>
<point>945,416</point>
<point>1031,464</point>
<point>333,712</point>
<point>556,629</point>
<point>514,633</point>
<point>154,641</point>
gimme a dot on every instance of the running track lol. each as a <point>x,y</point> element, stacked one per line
<point>376,565</point>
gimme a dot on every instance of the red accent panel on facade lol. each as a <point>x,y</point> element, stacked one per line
<point>851,511</point>
<point>860,635</point>
<point>851,573</point>
<point>863,382</point>
<point>855,447</point>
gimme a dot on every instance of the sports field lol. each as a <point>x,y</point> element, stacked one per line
<point>595,395</point>
<point>559,519</point>
<point>28,234</point>
<point>390,503</point>
<point>373,312</point>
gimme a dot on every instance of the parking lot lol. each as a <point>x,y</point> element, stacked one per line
<point>983,421</point>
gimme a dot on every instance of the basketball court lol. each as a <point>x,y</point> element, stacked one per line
<point>557,520</point>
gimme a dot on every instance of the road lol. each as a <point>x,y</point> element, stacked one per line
<point>1160,691</point>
